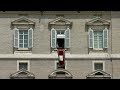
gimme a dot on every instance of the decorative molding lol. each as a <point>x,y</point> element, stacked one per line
<point>98,21</point>
<point>60,21</point>
<point>99,74</point>
<point>22,74</point>
<point>66,74</point>
<point>22,20</point>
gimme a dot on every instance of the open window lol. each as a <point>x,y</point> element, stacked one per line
<point>60,33</point>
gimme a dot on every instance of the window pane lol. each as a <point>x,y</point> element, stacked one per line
<point>62,32</point>
<point>25,45</point>
<point>23,66</point>
<point>21,45</point>
<point>100,42</point>
<point>20,41</point>
<point>58,32</point>
<point>21,32</point>
<point>95,42</point>
<point>25,31</point>
<point>20,36</point>
<point>25,36</point>
<point>26,41</point>
<point>98,39</point>
<point>98,66</point>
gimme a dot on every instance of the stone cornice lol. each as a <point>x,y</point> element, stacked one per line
<point>55,56</point>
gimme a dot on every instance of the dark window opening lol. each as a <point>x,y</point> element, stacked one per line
<point>98,66</point>
<point>59,66</point>
<point>23,66</point>
<point>60,43</point>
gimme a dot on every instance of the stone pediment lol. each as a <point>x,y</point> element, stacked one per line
<point>60,21</point>
<point>22,74</point>
<point>98,21</point>
<point>60,73</point>
<point>23,20</point>
<point>98,73</point>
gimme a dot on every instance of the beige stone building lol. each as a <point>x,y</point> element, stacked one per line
<point>29,42</point>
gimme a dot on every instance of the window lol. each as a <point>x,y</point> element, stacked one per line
<point>98,39</point>
<point>23,65</point>
<point>58,66</point>
<point>98,65</point>
<point>23,38</point>
<point>60,38</point>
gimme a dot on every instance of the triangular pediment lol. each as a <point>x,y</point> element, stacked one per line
<point>22,74</point>
<point>98,21</point>
<point>98,73</point>
<point>63,72</point>
<point>60,20</point>
<point>23,20</point>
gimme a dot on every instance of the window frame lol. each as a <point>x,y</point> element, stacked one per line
<point>23,61</point>
<point>97,40</point>
<point>23,38</point>
<point>57,62</point>
<point>17,39</point>
<point>93,64</point>
<point>60,36</point>
<point>91,37</point>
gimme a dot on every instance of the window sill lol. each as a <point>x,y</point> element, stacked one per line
<point>98,49</point>
<point>56,49</point>
<point>23,49</point>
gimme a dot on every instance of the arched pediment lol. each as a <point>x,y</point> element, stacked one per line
<point>98,74</point>
<point>23,20</point>
<point>22,74</point>
<point>55,73</point>
<point>98,21</point>
<point>60,21</point>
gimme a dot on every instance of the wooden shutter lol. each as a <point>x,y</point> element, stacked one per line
<point>30,38</point>
<point>67,38</point>
<point>53,38</point>
<point>105,38</point>
<point>16,38</point>
<point>91,38</point>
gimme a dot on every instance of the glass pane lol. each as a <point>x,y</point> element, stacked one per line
<point>20,41</point>
<point>95,42</point>
<point>21,32</point>
<point>62,32</point>
<point>26,32</point>
<point>58,31</point>
<point>100,42</point>
<point>25,45</point>
<point>21,45</point>
<point>95,33</point>
<point>98,66</point>
<point>25,36</point>
<point>25,41</point>
<point>20,36</point>
<point>23,66</point>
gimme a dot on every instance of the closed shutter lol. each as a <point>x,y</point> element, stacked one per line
<point>16,38</point>
<point>30,38</point>
<point>67,38</point>
<point>53,38</point>
<point>105,38</point>
<point>91,38</point>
